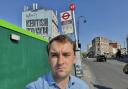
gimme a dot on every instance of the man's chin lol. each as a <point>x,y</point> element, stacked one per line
<point>61,74</point>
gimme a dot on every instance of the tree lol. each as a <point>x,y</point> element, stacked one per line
<point>84,54</point>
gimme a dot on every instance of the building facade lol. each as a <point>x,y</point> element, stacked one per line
<point>100,45</point>
<point>123,51</point>
<point>40,21</point>
<point>114,46</point>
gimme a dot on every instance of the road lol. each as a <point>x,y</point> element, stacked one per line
<point>106,75</point>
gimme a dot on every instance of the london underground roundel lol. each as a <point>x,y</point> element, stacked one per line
<point>65,15</point>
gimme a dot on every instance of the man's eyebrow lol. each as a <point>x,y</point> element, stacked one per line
<point>54,52</point>
<point>67,52</point>
<point>59,53</point>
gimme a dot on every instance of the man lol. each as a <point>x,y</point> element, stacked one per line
<point>61,52</point>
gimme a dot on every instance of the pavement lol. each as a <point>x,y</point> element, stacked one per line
<point>87,75</point>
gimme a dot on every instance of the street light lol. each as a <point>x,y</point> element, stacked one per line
<point>78,23</point>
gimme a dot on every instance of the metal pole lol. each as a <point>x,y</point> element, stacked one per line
<point>78,29</point>
<point>75,32</point>
<point>74,26</point>
<point>78,61</point>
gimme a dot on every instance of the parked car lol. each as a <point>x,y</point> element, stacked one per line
<point>125,69</point>
<point>101,58</point>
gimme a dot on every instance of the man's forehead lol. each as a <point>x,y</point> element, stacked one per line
<point>65,50</point>
<point>63,47</point>
<point>59,44</point>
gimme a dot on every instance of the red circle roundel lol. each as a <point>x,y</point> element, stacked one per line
<point>72,7</point>
<point>65,16</point>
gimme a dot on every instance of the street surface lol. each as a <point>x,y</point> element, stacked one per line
<point>104,75</point>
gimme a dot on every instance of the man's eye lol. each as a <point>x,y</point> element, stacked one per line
<point>53,55</point>
<point>66,55</point>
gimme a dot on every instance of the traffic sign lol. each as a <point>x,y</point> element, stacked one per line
<point>72,7</point>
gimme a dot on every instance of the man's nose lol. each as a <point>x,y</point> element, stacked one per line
<point>60,59</point>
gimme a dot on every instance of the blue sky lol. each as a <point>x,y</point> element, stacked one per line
<point>107,18</point>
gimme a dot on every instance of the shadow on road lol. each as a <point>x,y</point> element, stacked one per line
<point>101,87</point>
<point>125,60</point>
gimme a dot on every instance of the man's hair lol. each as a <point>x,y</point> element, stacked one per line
<point>61,39</point>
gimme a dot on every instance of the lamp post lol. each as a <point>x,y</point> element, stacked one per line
<point>78,24</point>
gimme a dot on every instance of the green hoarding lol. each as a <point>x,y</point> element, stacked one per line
<point>23,60</point>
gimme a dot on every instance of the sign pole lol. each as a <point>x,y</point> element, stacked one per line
<point>72,8</point>
<point>75,30</point>
<point>78,62</point>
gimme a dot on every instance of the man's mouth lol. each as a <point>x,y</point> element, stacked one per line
<point>60,69</point>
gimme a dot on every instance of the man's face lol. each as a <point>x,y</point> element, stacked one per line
<point>61,59</point>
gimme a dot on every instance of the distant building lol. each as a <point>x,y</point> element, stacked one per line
<point>114,47</point>
<point>40,21</point>
<point>123,51</point>
<point>100,45</point>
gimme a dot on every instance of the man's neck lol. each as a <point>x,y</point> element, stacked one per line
<point>62,83</point>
